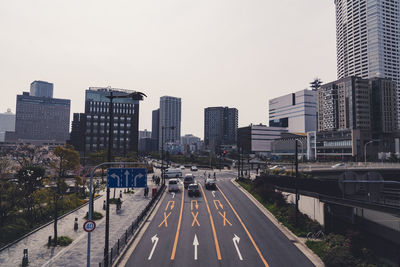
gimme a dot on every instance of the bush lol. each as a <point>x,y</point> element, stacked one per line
<point>62,241</point>
<point>95,216</point>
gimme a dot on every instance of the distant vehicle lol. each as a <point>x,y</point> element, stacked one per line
<point>173,185</point>
<point>194,190</point>
<point>189,179</point>
<point>278,167</point>
<point>182,167</point>
<point>173,173</point>
<point>193,169</point>
<point>338,165</point>
<point>210,184</point>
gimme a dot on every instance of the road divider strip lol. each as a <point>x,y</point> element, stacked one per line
<point>179,226</point>
<point>212,226</point>
<point>245,229</point>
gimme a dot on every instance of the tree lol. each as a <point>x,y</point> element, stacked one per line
<point>68,160</point>
<point>30,155</point>
<point>315,84</point>
<point>10,197</point>
<point>30,179</point>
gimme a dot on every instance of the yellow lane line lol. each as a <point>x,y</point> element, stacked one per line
<point>179,227</point>
<point>244,227</point>
<point>212,226</point>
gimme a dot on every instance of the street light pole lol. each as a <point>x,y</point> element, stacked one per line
<point>295,183</point>
<point>365,150</point>
<point>162,150</point>
<point>134,96</point>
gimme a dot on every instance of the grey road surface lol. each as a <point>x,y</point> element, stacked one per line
<point>219,228</point>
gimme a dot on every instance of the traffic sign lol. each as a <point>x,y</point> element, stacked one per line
<point>126,177</point>
<point>89,226</point>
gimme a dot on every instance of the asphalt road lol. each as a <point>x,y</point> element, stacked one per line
<point>220,228</point>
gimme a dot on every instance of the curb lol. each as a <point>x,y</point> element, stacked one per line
<point>298,242</point>
<point>138,231</point>
<point>44,225</point>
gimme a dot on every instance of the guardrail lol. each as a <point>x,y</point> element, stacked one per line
<point>130,231</point>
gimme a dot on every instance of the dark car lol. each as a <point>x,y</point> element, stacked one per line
<point>194,190</point>
<point>210,183</point>
<point>189,179</point>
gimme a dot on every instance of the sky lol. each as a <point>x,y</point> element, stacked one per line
<point>235,53</point>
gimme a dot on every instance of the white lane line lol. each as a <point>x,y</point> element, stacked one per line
<point>154,240</point>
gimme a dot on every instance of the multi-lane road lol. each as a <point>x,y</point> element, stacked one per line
<point>222,227</point>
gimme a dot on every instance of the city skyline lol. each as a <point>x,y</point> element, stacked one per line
<point>207,57</point>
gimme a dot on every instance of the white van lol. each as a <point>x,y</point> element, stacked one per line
<point>173,185</point>
<point>173,173</point>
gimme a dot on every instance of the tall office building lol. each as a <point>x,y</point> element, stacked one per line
<point>170,120</point>
<point>220,127</point>
<point>90,130</point>
<point>7,123</point>
<point>297,111</point>
<point>367,39</point>
<point>40,119</point>
<point>41,89</point>
<point>155,124</point>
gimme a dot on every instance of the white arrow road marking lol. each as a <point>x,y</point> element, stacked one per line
<point>136,177</point>
<point>236,240</point>
<point>195,244</point>
<point>114,176</point>
<point>126,178</point>
<point>154,240</point>
<point>173,194</point>
<point>213,193</point>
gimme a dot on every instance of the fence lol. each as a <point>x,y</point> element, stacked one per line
<point>130,231</point>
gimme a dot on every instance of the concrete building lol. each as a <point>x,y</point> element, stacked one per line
<point>41,89</point>
<point>297,111</point>
<point>170,120</point>
<point>367,39</point>
<point>352,112</point>
<point>40,119</point>
<point>90,130</point>
<point>144,134</point>
<point>191,143</point>
<point>285,145</point>
<point>220,127</point>
<point>257,139</point>
<point>7,123</point>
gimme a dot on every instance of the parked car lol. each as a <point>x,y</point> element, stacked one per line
<point>194,190</point>
<point>210,183</point>
<point>173,185</point>
<point>182,167</point>
<point>193,169</point>
<point>189,179</point>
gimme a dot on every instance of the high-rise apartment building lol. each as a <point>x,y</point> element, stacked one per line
<point>41,89</point>
<point>220,127</point>
<point>367,39</point>
<point>170,120</point>
<point>297,111</point>
<point>90,130</point>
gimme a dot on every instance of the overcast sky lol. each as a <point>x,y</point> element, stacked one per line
<point>236,53</point>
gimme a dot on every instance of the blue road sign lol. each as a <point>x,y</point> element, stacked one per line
<point>126,177</point>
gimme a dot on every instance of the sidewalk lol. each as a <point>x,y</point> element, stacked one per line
<point>75,253</point>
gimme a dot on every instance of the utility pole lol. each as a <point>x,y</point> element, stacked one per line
<point>296,181</point>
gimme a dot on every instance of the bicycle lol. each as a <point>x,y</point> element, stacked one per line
<point>316,235</point>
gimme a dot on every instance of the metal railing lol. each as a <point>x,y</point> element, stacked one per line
<point>130,231</point>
